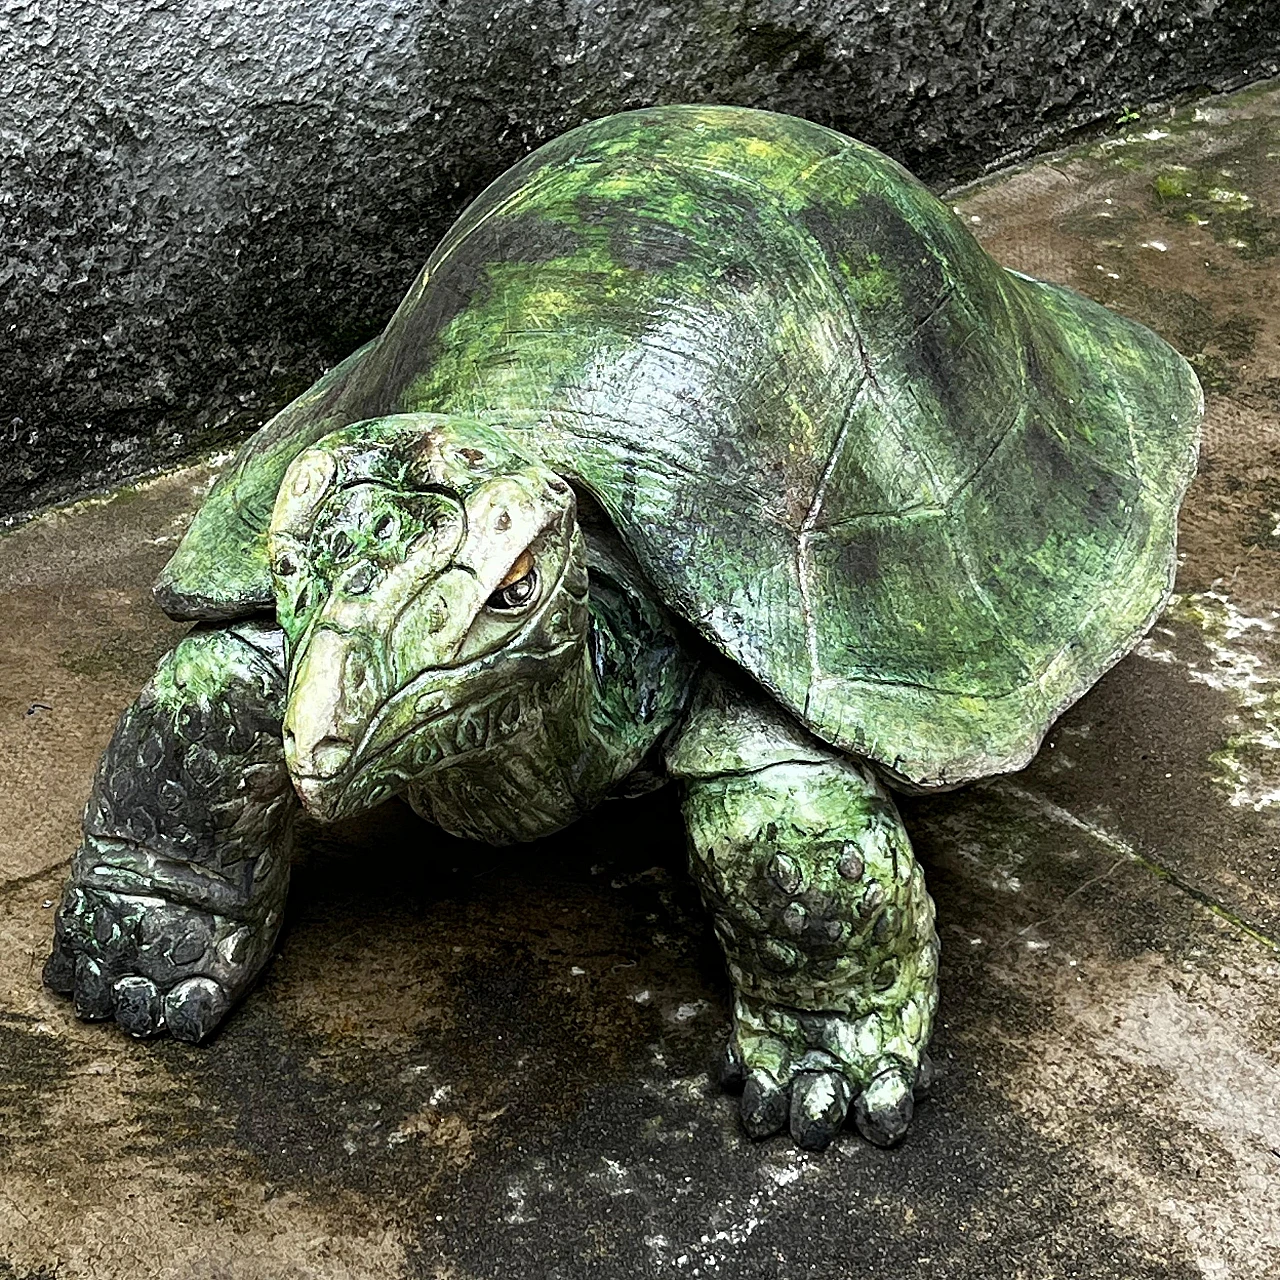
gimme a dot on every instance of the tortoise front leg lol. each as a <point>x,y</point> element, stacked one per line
<point>823,916</point>
<point>175,895</point>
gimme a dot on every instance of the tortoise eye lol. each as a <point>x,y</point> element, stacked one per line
<point>518,587</point>
<point>515,595</point>
<point>521,569</point>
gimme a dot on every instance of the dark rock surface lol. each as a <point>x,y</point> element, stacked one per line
<point>203,204</point>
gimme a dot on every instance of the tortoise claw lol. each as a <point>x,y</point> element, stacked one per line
<point>926,1074</point>
<point>819,1103</point>
<point>194,1008</point>
<point>733,1071</point>
<point>59,973</point>
<point>94,995</point>
<point>884,1108</point>
<point>139,1006</point>
<point>764,1106</point>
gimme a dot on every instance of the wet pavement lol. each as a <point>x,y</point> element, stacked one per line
<point>463,1064</point>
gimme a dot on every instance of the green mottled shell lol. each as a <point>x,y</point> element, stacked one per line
<point>923,500</point>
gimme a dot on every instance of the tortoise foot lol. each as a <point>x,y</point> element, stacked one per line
<point>175,894</point>
<point>809,1072</point>
<point>153,965</point>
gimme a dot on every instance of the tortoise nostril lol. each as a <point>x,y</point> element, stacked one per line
<point>359,580</point>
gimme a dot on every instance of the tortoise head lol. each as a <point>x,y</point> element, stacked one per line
<point>431,582</point>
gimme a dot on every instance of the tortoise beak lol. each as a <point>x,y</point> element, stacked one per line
<point>331,701</point>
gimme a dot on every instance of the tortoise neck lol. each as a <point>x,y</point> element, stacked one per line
<point>583,736</point>
<point>560,763</point>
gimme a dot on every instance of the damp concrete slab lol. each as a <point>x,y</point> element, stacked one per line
<point>464,1064</point>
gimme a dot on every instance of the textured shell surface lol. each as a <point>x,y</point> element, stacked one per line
<point>924,501</point>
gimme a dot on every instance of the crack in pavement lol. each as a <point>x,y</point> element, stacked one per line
<point>1064,817</point>
<point>32,877</point>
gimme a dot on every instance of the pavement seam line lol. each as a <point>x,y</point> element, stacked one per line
<point>1079,889</point>
<point>1056,813</point>
<point>32,877</point>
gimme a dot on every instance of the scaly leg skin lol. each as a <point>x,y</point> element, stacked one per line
<point>823,916</point>
<point>175,896</point>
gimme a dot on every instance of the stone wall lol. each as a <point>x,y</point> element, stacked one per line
<point>205,202</point>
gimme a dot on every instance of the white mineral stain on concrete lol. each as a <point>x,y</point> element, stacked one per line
<point>1151,1035</point>
<point>1210,1179</point>
<point>735,1221</point>
<point>998,869</point>
<point>687,1011</point>
<point>1056,813</point>
<point>1239,660</point>
<point>518,1194</point>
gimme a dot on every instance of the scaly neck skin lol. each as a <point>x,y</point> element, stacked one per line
<point>576,737</point>
<point>555,765</point>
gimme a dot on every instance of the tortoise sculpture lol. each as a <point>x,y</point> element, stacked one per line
<point>707,446</point>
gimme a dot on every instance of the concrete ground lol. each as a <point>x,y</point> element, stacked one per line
<point>463,1065</point>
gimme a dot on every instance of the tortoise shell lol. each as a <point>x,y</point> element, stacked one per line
<point>924,501</point>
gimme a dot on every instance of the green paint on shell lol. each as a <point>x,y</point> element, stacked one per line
<point>924,501</point>
<point>220,569</point>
